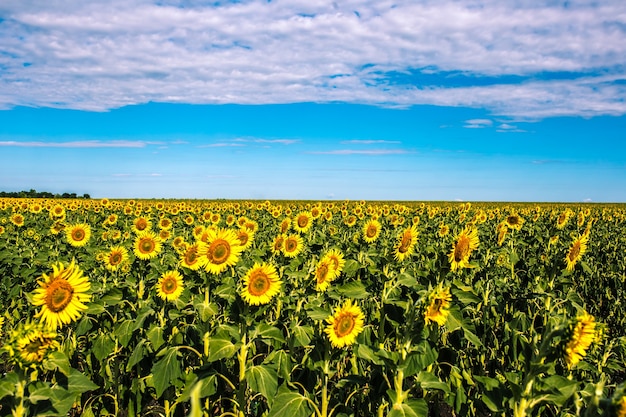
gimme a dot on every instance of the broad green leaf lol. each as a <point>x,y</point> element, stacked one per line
<point>8,384</point>
<point>103,346</point>
<point>354,290</point>
<point>472,337</point>
<point>350,267</point>
<point>124,331</point>
<point>113,297</point>
<point>318,313</point>
<point>137,355</point>
<point>58,360</point>
<point>407,280</point>
<point>221,349</point>
<point>412,408</point>
<point>155,336</point>
<point>365,352</point>
<point>206,310</point>
<point>77,383</point>
<point>301,335</point>
<point>290,404</point>
<point>430,381</point>
<point>166,370</point>
<point>265,331</point>
<point>263,379</point>
<point>419,360</point>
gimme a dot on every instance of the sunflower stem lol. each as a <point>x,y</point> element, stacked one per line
<point>241,392</point>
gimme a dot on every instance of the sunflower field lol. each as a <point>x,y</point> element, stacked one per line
<point>299,308</point>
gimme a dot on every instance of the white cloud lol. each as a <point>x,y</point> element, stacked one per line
<point>363,152</point>
<point>78,144</point>
<point>102,54</point>
<point>478,123</point>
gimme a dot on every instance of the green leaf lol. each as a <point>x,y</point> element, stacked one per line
<point>290,404</point>
<point>124,331</point>
<point>8,384</point>
<point>558,389</point>
<point>166,370</point>
<point>350,267</point>
<point>302,335</point>
<point>113,297</point>
<point>206,311</point>
<point>265,331</point>
<point>155,336</point>
<point>77,383</point>
<point>412,408</point>
<point>419,360</point>
<point>221,349</point>
<point>103,346</point>
<point>365,352</point>
<point>137,355</point>
<point>318,313</point>
<point>430,381</point>
<point>58,360</point>
<point>263,379</point>
<point>407,280</point>
<point>354,290</point>
<point>472,337</point>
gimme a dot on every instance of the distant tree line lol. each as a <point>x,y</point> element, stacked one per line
<point>39,194</point>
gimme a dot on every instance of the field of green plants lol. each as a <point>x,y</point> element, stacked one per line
<point>297,308</point>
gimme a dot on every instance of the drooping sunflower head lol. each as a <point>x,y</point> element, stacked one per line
<point>438,306</point>
<point>115,258</point>
<point>221,250</point>
<point>582,334</point>
<point>147,245</point>
<point>284,225</point>
<point>324,274</point>
<point>191,258</point>
<point>576,251</point>
<point>371,230</point>
<point>406,243</point>
<point>337,259</point>
<point>278,244</point>
<point>78,234</point>
<point>62,295</point>
<point>170,286</point>
<point>563,218</point>
<point>31,343</point>
<point>260,284</point>
<point>345,325</point>
<point>466,242</point>
<point>292,245</point>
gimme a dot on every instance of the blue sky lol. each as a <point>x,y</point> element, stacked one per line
<point>376,100</point>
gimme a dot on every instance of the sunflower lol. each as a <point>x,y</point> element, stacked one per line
<point>17,219</point>
<point>165,223</point>
<point>338,261</point>
<point>147,245</point>
<point>303,222</point>
<point>406,243</point>
<point>514,221</point>
<point>62,295</point>
<point>438,306</point>
<point>292,246</point>
<point>260,284</point>
<point>324,273</point>
<point>190,257</point>
<point>371,230</point>
<point>57,212</point>
<point>78,234</point>
<point>576,251</point>
<point>170,286</point>
<point>245,237</point>
<point>141,224</point>
<point>563,218</point>
<point>278,244</point>
<point>621,407</point>
<point>116,257</point>
<point>284,225</point>
<point>443,230</point>
<point>345,325</point>
<point>221,250</point>
<point>31,343</point>
<point>466,242</point>
<point>582,334</point>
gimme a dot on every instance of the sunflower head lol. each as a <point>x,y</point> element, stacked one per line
<point>438,306</point>
<point>466,242</point>
<point>324,274</point>
<point>292,245</point>
<point>582,333</point>
<point>170,286</point>
<point>62,295</point>
<point>345,325</point>
<point>221,250</point>
<point>260,284</point>
<point>371,230</point>
<point>30,343</point>
<point>115,258</point>
<point>147,245</point>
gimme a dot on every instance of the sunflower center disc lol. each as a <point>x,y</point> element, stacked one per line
<point>115,259</point>
<point>147,245</point>
<point>219,250</point>
<point>259,284</point>
<point>461,249</point>
<point>575,251</point>
<point>58,295</point>
<point>169,285</point>
<point>78,234</point>
<point>371,231</point>
<point>322,273</point>
<point>344,325</point>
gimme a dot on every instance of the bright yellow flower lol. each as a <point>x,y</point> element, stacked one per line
<point>292,245</point>
<point>147,245</point>
<point>78,234</point>
<point>371,230</point>
<point>466,242</point>
<point>116,257</point>
<point>576,251</point>
<point>62,295</point>
<point>170,286</point>
<point>583,333</point>
<point>438,306</point>
<point>260,284</point>
<point>324,273</point>
<point>345,325</point>
<point>406,243</point>
<point>221,250</point>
